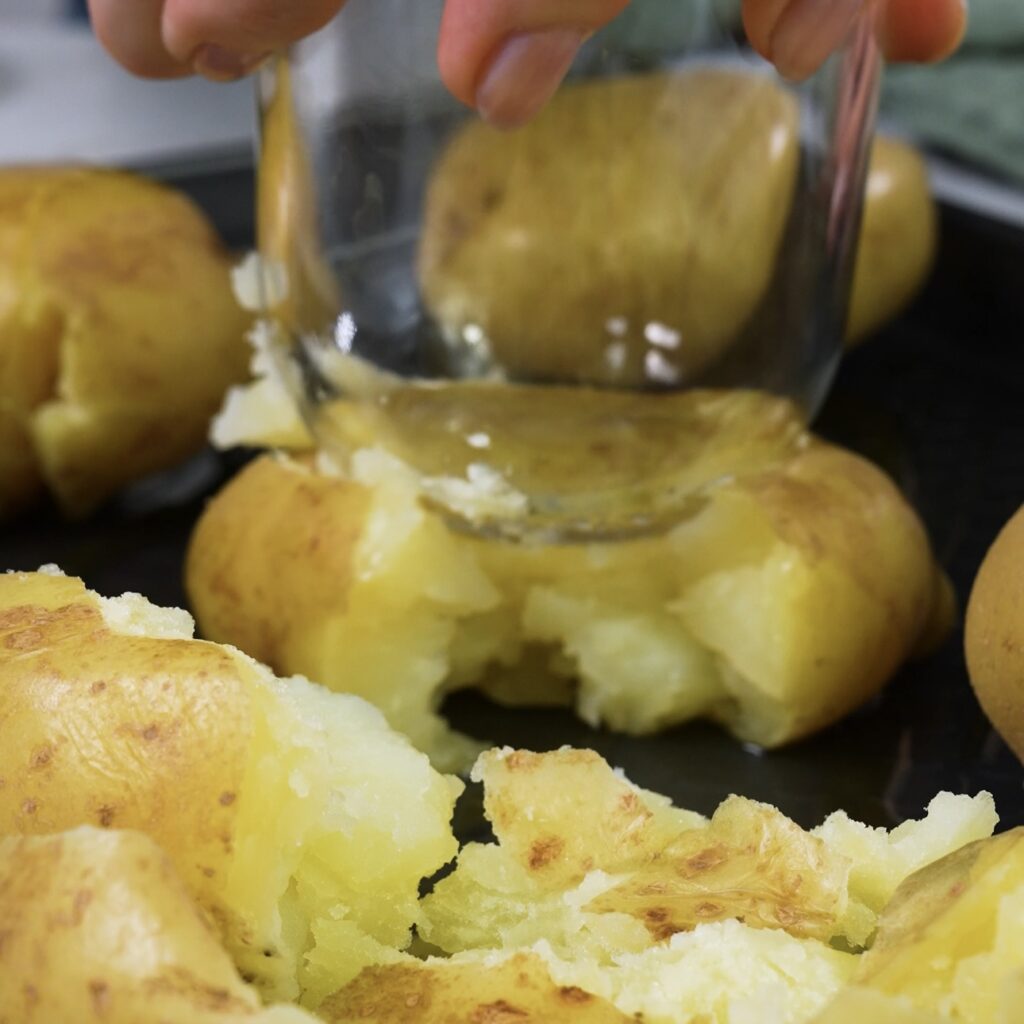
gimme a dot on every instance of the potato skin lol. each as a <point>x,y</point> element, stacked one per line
<point>518,989</point>
<point>118,332</point>
<point>97,926</point>
<point>153,732</point>
<point>994,633</point>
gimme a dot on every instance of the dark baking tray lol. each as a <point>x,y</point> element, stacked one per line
<point>937,399</point>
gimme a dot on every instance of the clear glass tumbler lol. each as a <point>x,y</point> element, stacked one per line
<point>573,329</point>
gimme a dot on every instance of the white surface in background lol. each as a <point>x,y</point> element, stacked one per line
<point>63,99</point>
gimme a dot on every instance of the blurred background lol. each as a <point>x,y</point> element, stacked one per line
<point>62,98</point>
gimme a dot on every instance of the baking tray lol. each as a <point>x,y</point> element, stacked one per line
<point>937,399</point>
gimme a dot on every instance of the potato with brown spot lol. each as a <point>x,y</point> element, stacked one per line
<point>98,927</point>
<point>118,333</point>
<point>514,990</point>
<point>237,775</point>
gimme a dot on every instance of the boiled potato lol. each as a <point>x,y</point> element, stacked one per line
<point>591,865</point>
<point>98,927</point>
<point>898,237</point>
<point>297,819</point>
<point>786,601</point>
<point>994,633</point>
<point>951,938</point>
<point>118,333</point>
<point>636,224</point>
<point>517,989</point>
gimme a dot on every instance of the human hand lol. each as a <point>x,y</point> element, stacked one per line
<point>504,57</point>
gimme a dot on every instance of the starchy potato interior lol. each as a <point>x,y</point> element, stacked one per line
<point>297,818</point>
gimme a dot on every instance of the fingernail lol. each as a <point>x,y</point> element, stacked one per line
<point>223,65</point>
<point>525,74</point>
<point>808,32</point>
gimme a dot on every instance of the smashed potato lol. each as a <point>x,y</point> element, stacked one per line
<point>589,863</point>
<point>785,602</point>
<point>118,333</point>
<point>299,821</point>
<point>97,926</point>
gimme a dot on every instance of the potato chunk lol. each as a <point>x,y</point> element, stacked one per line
<point>593,866</point>
<point>118,332</point>
<point>97,926</point>
<point>295,816</point>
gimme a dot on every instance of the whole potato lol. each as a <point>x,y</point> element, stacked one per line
<point>97,927</point>
<point>994,633</point>
<point>627,204</point>
<point>627,235</point>
<point>298,820</point>
<point>898,237</point>
<point>118,332</point>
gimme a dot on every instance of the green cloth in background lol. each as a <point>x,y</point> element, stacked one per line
<point>972,106</point>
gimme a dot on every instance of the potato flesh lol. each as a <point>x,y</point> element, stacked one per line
<point>297,818</point>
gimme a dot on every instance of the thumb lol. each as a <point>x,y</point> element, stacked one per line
<point>507,57</point>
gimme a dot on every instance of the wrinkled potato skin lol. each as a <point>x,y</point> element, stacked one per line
<point>119,332</point>
<point>146,734</point>
<point>440,992</point>
<point>97,926</point>
<point>994,636</point>
<point>266,604</point>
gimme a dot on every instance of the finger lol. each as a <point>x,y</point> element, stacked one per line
<point>228,38</point>
<point>798,35</point>
<point>923,30</point>
<point>507,57</point>
<point>131,34</point>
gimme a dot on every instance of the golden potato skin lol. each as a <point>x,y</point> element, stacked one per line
<point>112,715</point>
<point>118,331</point>
<point>98,927</point>
<point>153,732</point>
<point>518,989</point>
<point>898,237</point>
<point>994,633</point>
<point>266,604</point>
<point>657,197</point>
<point>654,199</point>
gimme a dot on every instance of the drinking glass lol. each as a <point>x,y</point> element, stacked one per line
<point>575,329</point>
